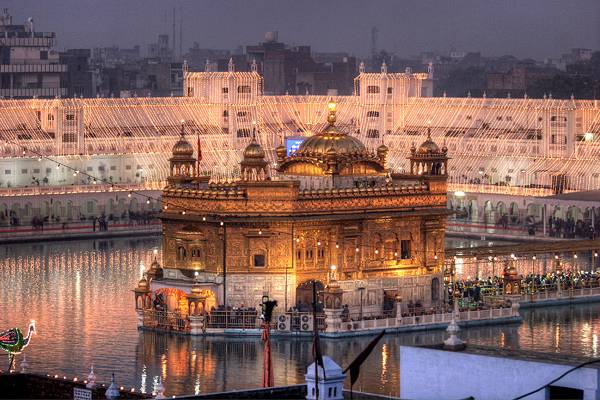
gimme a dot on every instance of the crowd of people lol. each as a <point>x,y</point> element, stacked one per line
<point>569,228</point>
<point>474,289</point>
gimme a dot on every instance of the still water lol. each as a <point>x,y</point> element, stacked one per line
<point>79,293</point>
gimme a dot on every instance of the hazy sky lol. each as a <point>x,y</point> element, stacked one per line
<point>525,28</point>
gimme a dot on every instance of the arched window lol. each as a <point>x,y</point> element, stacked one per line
<point>181,253</point>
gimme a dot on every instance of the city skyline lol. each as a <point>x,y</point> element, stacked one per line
<point>405,28</point>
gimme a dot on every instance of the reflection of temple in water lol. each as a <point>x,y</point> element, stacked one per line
<point>329,210</point>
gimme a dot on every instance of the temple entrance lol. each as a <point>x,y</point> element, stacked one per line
<point>304,296</point>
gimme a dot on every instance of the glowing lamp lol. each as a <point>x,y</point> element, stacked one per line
<point>333,267</point>
<point>459,193</point>
<point>588,136</point>
<point>331,106</point>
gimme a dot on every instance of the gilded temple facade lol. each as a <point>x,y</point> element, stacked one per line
<point>329,211</point>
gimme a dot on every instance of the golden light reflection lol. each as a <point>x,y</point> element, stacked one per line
<point>384,362</point>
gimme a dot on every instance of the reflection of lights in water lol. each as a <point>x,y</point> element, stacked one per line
<point>197,385</point>
<point>594,345</point>
<point>143,379</point>
<point>384,362</point>
<point>155,381</point>
<point>557,337</point>
<point>78,286</point>
<point>502,340</point>
<point>163,366</point>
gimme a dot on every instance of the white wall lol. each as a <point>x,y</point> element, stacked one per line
<point>435,374</point>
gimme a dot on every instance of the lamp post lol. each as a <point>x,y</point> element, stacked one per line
<point>361,289</point>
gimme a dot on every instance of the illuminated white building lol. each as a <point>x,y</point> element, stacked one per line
<point>506,146</point>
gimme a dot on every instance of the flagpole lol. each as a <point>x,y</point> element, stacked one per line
<point>315,339</point>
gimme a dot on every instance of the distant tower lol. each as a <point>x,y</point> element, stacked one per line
<point>384,68</point>
<point>253,66</point>
<point>374,34</point>
<point>430,70</point>
<point>174,37</point>
<point>361,67</point>
<point>231,65</point>
<point>207,65</point>
<point>180,31</point>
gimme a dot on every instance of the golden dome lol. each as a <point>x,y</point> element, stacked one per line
<point>331,152</point>
<point>143,283</point>
<point>428,147</point>
<point>254,150</point>
<point>331,138</point>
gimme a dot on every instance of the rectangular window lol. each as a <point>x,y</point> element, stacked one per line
<point>243,89</point>
<point>7,172</point>
<point>24,171</point>
<point>242,113</point>
<point>225,113</point>
<point>43,54</point>
<point>128,167</point>
<point>113,167</point>
<point>373,114</point>
<point>243,132</point>
<point>101,168</point>
<point>405,249</point>
<point>321,253</point>
<point>69,138</point>
<point>372,89</point>
<point>309,254</point>
<point>259,260</point>
<point>48,170</point>
<point>89,168</point>
<point>389,90</point>
<point>70,117</point>
<point>372,133</point>
<point>298,255</point>
<point>225,90</point>
<point>36,170</point>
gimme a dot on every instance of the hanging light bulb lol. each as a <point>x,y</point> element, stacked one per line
<point>129,194</point>
<point>376,251</point>
<point>148,201</point>
<point>575,255</point>
<point>165,207</point>
<point>297,240</point>
<point>222,223</point>
<point>534,257</point>
<point>40,159</point>
<point>57,166</point>
<point>183,212</point>
<point>203,218</point>
<point>260,232</point>
<point>357,249</point>
<point>318,243</point>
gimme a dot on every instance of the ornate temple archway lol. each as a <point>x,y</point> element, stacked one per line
<point>304,294</point>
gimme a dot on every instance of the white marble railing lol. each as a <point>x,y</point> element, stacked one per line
<point>431,319</point>
<point>557,295</point>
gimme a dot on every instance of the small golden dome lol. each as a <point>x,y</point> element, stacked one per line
<point>143,283</point>
<point>254,150</point>
<point>428,146</point>
<point>382,149</point>
<point>183,148</point>
<point>196,289</point>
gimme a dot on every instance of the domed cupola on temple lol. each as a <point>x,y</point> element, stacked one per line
<point>429,159</point>
<point>332,152</point>
<point>182,162</point>
<point>253,166</point>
